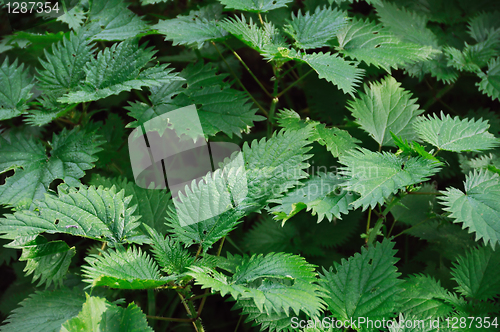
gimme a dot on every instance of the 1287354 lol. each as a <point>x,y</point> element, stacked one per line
<point>25,7</point>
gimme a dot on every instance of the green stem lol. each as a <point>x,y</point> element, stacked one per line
<point>142,98</point>
<point>197,323</point>
<point>294,83</point>
<point>170,319</point>
<point>291,70</point>
<point>274,102</point>
<point>406,230</point>
<point>392,227</point>
<point>238,324</point>
<point>220,246</point>
<point>260,19</point>
<point>248,70</point>
<point>437,97</point>
<point>199,251</point>
<point>419,193</point>
<point>272,109</point>
<point>191,312</point>
<point>66,110</point>
<point>151,303</point>
<point>197,297</point>
<point>373,232</point>
<point>231,242</point>
<point>239,82</point>
<point>368,223</point>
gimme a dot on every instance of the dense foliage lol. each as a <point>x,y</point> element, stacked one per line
<point>370,134</point>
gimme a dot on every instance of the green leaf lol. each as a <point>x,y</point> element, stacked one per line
<point>152,205</point>
<point>275,165</point>
<point>453,134</point>
<point>445,237</point>
<point>366,285</point>
<point>73,153</point>
<point>194,29</point>
<point>211,208</point>
<point>273,321</point>
<point>302,236</point>
<point>410,26</point>
<point>259,6</point>
<point>490,82</point>
<point>477,273</point>
<point>377,176</point>
<point>100,214</point>
<point>220,108</point>
<point>322,194</point>
<point>366,41</point>
<point>267,40</point>
<point>45,311</point>
<point>344,74</point>
<point>336,140</point>
<point>422,298</point>
<point>63,69</point>
<point>114,151</point>
<point>276,282</point>
<point>489,162</point>
<point>268,236</point>
<point>483,25</point>
<point>114,20</point>
<point>416,208</point>
<point>208,210</point>
<point>73,17</point>
<point>117,69</point>
<point>412,149</point>
<point>99,315</point>
<point>122,269</point>
<point>15,87</point>
<point>173,258</point>
<point>478,207</point>
<point>385,107</point>
<point>474,57</point>
<point>317,29</point>
<point>48,261</point>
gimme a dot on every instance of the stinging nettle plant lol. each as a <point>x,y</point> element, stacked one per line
<point>370,135</point>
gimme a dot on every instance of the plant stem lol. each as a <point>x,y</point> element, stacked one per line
<point>191,312</point>
<point>66,110</point>
<point>260,19</point>
<point>220,246</point>
<point>291,70</point>
<point>238,324</point>
<point>392,227</point>
<point>437,97</point>
<point>248,70</point>
<point>198,252</point>
<point>406,230</point>
<point>368,223</point>
<point>293,84</point>
<point>239,82</point>
<point>274,102</point>
<point>102,248</point>
<point>231,242</point>
<point>171,319</point>
<point>142,98</point>
<point>429,193</point>
<point>197,323</point>
<point>199,297</point>
<point>151,303</point>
